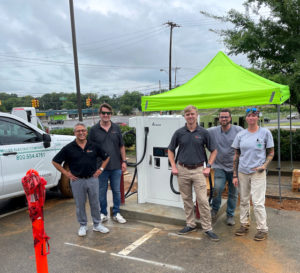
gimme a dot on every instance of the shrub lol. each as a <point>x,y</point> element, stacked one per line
<point>129,139</point>
<point>285,153</point>
<point>63,131</point>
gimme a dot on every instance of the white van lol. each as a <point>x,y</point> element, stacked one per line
<point>24,146</point>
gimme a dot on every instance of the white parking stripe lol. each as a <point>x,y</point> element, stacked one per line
<point>184,236</point>
<point>86,247</point>
<point>138,242</point>
<point>174,267</point>
<point>12,212</point>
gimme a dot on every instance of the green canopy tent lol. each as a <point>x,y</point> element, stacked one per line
<point>222,83</point>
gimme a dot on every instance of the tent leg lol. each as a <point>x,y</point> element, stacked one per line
<point>291,136</point>
<point>279,158</point>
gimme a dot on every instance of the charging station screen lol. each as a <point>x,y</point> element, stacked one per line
<point>161,152</point>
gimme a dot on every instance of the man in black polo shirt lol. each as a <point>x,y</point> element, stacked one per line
<point>109,135</point>
<point>81,157</point>
<point>192,141</point>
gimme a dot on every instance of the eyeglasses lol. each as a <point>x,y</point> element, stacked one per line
<point>81,131</point>
<point>224,117</point>
<point>106,113</point>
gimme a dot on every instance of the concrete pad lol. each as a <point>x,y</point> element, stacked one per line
<point>157,213</point>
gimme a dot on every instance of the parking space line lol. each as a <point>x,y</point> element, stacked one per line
<point>12,212</point>
<point>86,247</point>
<point>138,242</point>
<point>184,236</point>
<point>174,267</point>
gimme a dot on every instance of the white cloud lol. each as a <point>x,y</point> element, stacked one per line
<point>122,45</point>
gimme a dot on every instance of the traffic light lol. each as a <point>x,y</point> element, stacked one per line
<point>37,103</point>
<point>88,102</point>
<point>33,103</point>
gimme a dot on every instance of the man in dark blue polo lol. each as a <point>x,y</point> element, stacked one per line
<point>192,170</point>
<point>81,157</point>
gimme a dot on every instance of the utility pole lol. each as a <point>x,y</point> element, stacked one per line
<point>172,25</point>
<point>75,60</point>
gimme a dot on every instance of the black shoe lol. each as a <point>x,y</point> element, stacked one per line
<point>186,230</point>
<point>212,236</point>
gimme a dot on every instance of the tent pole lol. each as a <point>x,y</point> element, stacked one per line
<point>278,154</point>
<point>291,136</point>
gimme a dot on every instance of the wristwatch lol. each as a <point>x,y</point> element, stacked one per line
<point>208,165</point>
<point>101,169</point>
<point>124,161</point>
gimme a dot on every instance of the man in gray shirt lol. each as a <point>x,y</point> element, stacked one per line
<point>224,135</point>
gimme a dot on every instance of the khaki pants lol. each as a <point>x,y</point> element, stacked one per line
<point>186,180</point>
<point>253,185</point>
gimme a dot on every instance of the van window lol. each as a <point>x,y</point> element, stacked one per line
<point>15,132</point>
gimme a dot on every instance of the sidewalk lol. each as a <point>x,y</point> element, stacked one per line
<point>171,215</point>
<point>286,167</point>
<point>285,180</point>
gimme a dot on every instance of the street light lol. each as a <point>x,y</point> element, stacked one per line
<point>176,68</point>
<point>175,71</point>
<point>161,70</point>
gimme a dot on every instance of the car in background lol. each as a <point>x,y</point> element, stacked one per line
<point>55,121</point>
<point>121,123</point>
<point>266,119</point>
<point>293,116</point>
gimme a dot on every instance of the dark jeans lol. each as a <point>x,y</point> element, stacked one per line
<point>114,177</point>
<point>220,178</point>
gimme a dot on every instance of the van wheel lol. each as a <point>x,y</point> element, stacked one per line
<point>64,185</point>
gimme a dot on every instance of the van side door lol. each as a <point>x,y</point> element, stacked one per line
<point>21,149</point>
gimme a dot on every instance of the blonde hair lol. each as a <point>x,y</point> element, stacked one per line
<point>189,108</point>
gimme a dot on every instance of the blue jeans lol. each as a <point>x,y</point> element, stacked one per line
<point>114,177</point>
<point>220,179</point>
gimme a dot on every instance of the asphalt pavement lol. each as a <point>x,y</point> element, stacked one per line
<point>149,245</point>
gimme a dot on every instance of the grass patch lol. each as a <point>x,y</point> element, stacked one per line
<point>282,124</point>
<point>131,151</point>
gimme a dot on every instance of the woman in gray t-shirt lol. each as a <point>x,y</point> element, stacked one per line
<point>254,150</point>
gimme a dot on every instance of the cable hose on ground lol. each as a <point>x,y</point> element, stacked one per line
<point>172,186</point>
<point>131,184</point>
<point>139,162</point>
<point>210,190</point>
<point>171,178</point>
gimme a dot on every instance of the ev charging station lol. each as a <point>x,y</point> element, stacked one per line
<point>155,170</point>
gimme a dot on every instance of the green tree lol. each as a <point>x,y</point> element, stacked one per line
<point>126,110</point>
<point>270,42</point>
<point>132,99</point>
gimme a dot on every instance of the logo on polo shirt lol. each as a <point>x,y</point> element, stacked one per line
<point>89,151</point>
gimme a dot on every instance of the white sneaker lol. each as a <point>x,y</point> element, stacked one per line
<point>82,231</point>
<point>103,217</point>
<point>101,228</point>
<point>119,218</point>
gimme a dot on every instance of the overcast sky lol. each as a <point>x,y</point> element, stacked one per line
<point>122,44</point>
